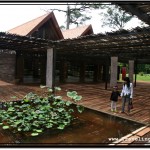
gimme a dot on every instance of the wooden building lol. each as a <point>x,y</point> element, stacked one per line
<point>31,66</point>
<point>86,58</point>
<point>70,70</point>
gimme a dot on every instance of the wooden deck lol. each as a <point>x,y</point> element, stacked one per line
<point>7,91</point>
<point>94,97</point>
<point>97,98</point>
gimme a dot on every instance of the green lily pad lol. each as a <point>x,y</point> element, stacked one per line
<point>5,127</point>
<point>68,103</point>
<point>38,131</point>
<point>61,126</point>
<point>78,98</point>
<point>42,86</point>
<point>58,88</point>
<point>19,129</point>
<point>80,108</point>
<point>34,134</point>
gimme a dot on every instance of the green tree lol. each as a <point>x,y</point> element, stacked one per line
<point>77,13</point>
<point>145,68</point>
<point>114,17</point>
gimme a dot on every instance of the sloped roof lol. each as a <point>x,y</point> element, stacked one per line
<point>29,27</point>
<point>76,32</point>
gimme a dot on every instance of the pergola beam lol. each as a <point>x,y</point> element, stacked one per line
<point>136,11</point>
<point>128,44</point>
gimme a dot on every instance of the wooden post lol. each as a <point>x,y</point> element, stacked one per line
<point>19,67</point>
<point>96,73</point>
<point>106,75</point>
<point>82,72</point>
<point>114,70</point>
<point>107,71</point>
<point>63,71</point>
<point>100,72</point>
<point>50,68</point>
<point>131,70</point>
<point>135,73</point>
<point>43,69</point>
<point>35,67</point>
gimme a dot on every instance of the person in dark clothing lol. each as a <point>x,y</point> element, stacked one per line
<point>114,98</point>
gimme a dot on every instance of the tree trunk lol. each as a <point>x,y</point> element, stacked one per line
<point>68,17</point>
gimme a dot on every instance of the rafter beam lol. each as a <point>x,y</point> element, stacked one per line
<point>135,11</point>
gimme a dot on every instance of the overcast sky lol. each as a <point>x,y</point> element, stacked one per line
<point>14,15</point>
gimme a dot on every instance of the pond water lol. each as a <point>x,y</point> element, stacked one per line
<point>91,128</point>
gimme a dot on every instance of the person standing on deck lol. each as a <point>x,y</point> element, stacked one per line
<point>114,98</point>
<point>126,94</point>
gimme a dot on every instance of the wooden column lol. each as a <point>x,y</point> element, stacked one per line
<point>135,71</point>
<point>63,71</point>
<point>100,73</point>
<point>131,70</point>
<point>113,71</point>
<point>106,75</point>
<point>49,68</point>
<point>19,67</point>
<point>82,72</point>
<point>96,73</point>
<point>35,67</point>
<point>43,70</point>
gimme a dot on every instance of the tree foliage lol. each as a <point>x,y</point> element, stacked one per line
<point>114,17</point>
<point>145,68</point>
<point>77,13</point>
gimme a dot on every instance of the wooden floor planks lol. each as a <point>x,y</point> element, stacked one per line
<point>94,97</point>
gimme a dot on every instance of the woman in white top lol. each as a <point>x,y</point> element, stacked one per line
<point>126,94</point>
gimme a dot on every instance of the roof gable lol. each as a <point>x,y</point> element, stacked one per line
<point>76,32</point>
<point>29,27</point>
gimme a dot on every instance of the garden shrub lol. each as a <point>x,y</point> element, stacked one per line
<point>141,73</point>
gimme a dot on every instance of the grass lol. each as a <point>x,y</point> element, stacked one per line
<point>145,77</point>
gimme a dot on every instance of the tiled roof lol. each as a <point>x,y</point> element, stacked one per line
<point>29,27</point>
<point>76,32</point>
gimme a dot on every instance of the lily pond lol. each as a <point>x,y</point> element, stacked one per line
<point>90,127</point>
<point>51,121</point>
